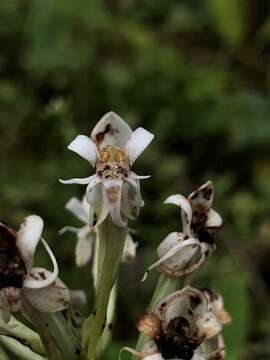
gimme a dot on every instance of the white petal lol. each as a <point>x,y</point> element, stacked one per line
<point>198,355</point>
<point>131,198</point>
<point>184,204</point>
<point>68,228</point>
<point>214,346</point>
<point>33,281</point>
<point>178,259</point>
<point>85,147</point>
<point>214,220</point>
<point>114,195</point>
<point>75,206</point>
<point>180,303</point>
<point>50,299</point>
<point>137,143</point>
<point>83,251</point>
<point>99,208</point>
<point>95,181</point>
<point>85,207</point>
<point>28,237</point>
<point>183,261</point>
<point>141,177</point>
<point>209,325</point>
<point>149,352</point>
<point>129,251</point>
<point>216,305</point>
<point>81,181</point>
<point>202,198</point>
<point>157,356</point>
<point>111,130</point>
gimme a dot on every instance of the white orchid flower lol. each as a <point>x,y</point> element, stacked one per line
<point>178,327</point>
<point>88,237</point>
<point>185,252</point>
<point>114,189</point>
<point>20,280</point>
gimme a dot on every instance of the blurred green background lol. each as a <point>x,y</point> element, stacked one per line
<point>193,72</point>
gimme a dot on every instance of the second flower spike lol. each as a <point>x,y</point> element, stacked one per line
<point>114,189</point>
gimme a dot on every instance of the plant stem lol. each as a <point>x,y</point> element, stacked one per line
<point>111,245</point>
<point>58,338</point>
<point>164,287</point>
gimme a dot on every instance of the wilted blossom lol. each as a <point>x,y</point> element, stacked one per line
<point>87,237</point>
<point>178,327</point>
<point>114,189</point>
<point>19,280</point>
<point>181,253</point>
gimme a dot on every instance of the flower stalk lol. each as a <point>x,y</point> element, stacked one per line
<point>58,338</point>
<point>111,245</point>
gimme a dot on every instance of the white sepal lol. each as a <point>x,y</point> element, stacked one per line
<point>85,147</point>
<point>80,181</point>
<point>28,237</point>
<point>75,206</point>
<point>137,143</point>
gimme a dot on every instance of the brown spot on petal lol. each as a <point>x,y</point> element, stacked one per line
<point>207,193</point>
<point>100,136</point>
<point>194,301</point>
<point>42,275</point>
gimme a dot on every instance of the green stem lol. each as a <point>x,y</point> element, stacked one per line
<point>111,244</point>
<point>164,287</point>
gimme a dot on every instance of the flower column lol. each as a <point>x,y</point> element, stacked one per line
<point>113,194</point>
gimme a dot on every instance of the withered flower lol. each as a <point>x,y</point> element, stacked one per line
<point>182,253</point>
<point>114,189</point>
<point>19,279</point>
<point>185,323</point>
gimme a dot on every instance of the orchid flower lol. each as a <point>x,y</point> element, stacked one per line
<point>114,189</point>
<point>178,327</point>
<point>87,237</point>
<point>20,280</point>
<point>185,252</point>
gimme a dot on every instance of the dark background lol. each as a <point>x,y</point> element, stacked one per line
<point>195,73</point>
